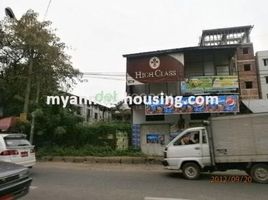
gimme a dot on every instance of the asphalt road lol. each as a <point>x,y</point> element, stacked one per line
<point>69,181</point>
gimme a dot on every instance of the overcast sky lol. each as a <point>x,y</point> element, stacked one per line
<point>99,32</point>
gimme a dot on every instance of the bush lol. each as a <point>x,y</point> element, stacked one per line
<point>86,150</point>
<point>59,127</point>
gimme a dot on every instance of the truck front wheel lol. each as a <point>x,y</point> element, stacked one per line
<point>259,173</point>
<point>191,171</point>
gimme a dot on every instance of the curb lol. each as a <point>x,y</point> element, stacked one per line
<point>104,160</point>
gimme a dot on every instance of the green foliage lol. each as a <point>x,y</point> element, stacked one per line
<point>66,130</point>
<point>31,54</point>
<point>26,41</point>
<point>56,127</point>
<point>87,150</point>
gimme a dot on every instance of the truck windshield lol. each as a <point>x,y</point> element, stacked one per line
<point>189,138</point>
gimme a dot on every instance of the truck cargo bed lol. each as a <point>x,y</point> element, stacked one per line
<point>240,138</point>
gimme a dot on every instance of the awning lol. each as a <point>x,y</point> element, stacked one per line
<point>7,123</point>
<point>256,105</point>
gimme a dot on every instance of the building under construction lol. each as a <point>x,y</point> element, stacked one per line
<point>222,65</point>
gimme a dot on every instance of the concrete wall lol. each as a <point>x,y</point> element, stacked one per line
<point>154,148</point>
<point>263,73</point>
<point>164,128</point>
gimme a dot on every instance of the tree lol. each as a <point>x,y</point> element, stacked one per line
<point>33,61</point>
<point>33,64</point>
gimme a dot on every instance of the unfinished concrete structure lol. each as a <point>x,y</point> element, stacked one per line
<point>243,58</point>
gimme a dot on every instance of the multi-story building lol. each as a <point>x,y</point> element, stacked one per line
<point>223,65</point>
<point>93,112</point>
<point>262,63</point>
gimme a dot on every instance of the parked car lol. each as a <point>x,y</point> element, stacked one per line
<point>17,149</point>
<point>14,181</point>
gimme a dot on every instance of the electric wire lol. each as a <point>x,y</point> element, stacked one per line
<point>48,6</point>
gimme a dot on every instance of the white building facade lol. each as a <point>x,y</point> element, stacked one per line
<point>94,112</point>
<point>262,63</point>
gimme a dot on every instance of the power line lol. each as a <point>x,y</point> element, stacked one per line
<point>106,74</point>
<point>48,6</point>
<point>108,78</point>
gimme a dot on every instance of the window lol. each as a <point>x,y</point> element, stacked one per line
<point>88,114</point>
<point>15,142</point>
<point>96,115</point>
<point>245,50</point>
<point>155,118</point>
<point>204,137</point>
<point>265,62</point>
<point>266,79</point>
<point>248,84</point>
<point>247,67</point>
<point>188,139</point>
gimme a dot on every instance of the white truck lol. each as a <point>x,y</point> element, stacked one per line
<point>229,142</point>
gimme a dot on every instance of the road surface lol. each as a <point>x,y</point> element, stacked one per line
<point>70,181</point>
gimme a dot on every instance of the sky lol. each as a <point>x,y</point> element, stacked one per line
<point>99,32</point>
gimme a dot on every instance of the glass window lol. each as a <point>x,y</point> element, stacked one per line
<point>204,137</point>
<point>14,142</point>
<point>188,139</point>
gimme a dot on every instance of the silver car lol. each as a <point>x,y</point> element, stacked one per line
<point>15,181</point>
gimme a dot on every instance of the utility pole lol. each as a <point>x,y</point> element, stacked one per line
<point>28,86</point>
<point>11,15</point>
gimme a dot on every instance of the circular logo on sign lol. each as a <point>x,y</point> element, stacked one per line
<point>154,62</point>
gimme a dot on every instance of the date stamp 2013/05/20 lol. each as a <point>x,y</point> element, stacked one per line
<point>230,179</point>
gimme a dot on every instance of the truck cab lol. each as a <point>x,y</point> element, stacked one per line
<point>189,151</point>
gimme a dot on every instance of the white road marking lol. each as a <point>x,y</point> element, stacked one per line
<point>161,198</point>
<point>33,187</point>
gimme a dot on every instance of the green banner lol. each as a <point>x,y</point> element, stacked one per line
<point>207,84</point>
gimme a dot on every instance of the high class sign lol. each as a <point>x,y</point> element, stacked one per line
<point>155,69</point>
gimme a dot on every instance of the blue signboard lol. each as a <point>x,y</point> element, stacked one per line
<point>136,132</point>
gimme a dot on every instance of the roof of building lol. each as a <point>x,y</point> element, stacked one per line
<point>6,123</point>
<point>262,53</point>
<point>179,50</point>
<point>256,105</point>
<point>225,36</point>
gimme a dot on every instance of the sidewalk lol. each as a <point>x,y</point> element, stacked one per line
<point>93,159</point>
